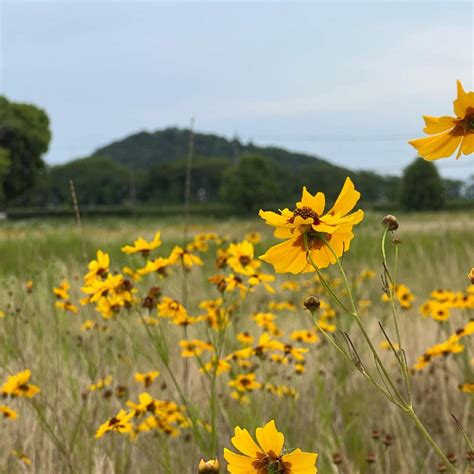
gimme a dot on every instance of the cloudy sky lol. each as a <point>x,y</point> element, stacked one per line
<point>348,81</point>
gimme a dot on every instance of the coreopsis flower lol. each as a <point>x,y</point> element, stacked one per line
<point>262,279</point>
<point>449,134</point>
<point>467,387</point>
<point>267,322</point>
<point>29,286</point>
<point>245,338</point>
<point>253,237</point>
<point>66,306</point>
<point>385,346</point>
<point>208,467</point>
<point>309,222</point>
<point>471,276</point>
<point>234,282</point>
<point>281,306</point>
<point>62,291</point>
<point>2,314</point>
<point>17,385</point>
<point>146,378</point>
<point>290,285</point>
<point>305,335</point>
<point>142,246</point>
<point>219,366</point>
<point>266,456</point>
<point>22,457</point>
<point>154,266</point>
<point>101,383</point>
<point>7,413</point>
<point>87,325</point>
<point>184,256</point>
<point>245,383</point>
<point>194,347</point>
<point>120,423</point>
<point>170,308</point>
<point>98,268</point>
<point>240,258</point>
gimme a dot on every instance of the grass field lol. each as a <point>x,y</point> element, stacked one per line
<point>336,413</point>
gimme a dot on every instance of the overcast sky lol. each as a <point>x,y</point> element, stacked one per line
<point>347,81</point>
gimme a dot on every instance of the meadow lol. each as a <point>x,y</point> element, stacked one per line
<point>86,364</point>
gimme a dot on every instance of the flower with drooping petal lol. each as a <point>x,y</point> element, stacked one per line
<point>268,455</point>
<point>449,134</point>
<point>322,231</point>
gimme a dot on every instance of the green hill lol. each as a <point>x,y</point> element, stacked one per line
<point>150,168</point>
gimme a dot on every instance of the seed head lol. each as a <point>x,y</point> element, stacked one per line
<point>312,303</point>
<point>391,222</point>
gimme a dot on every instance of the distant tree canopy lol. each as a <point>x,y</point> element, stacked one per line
<point>250,183</point>
<point>24,138</point>
<point>422,188</point>
<point>150,168</point>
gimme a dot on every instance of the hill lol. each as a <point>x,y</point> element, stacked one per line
<point>150,168</point>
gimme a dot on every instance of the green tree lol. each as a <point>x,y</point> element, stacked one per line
<point>422,188</point>
<point>4,168</point>
<point>24,132</point>
<point>250,183</point>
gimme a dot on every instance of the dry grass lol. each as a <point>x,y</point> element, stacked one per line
<point>336,410</point>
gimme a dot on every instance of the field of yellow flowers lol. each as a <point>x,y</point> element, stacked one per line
<point>128,354</point>
<point>327,340</point>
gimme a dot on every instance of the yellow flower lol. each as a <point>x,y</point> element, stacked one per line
<point>101,383</point>
<point>62,291</point>
<point>98,268</point>
<point>146,378</point>
<point>170,308</point>
<point>88,325</point>
<point>253,237</point>
<point>194,347</point>
<point>2,314</point>
<point>262,278</point>
<point>142,246</point>
<point>266,456</point>
<point>8,413</point>
<point>17,385</point>
<point>120,423</point>
<point>245,383</point>
<point>156,266</point>
<point>184,256</point>
<point>385,345</point>
<point>471,276</point>
<point>448,134</point>
<point>321,230</point>
<point>29,286</point>
<point>245,338</point>
<point>22,457</point>
<point>67,306</point>
<point>304,335</point>
<point>240,258</point>
<point>467,387</point>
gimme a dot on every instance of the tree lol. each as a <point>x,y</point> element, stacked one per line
<point>25,134</point>
<point>422,188</point>
<point>250,183</point>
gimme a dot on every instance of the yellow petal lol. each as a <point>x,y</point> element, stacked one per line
<point>464,101</point>
<point>287,257</point>
<point>244,442</point>
<point>238,464</point>
<point>438,124</point>
<point>270,439</point>
<point>299,462</point>
<point>316,202</point>
<point>346,200</point>
<point>438,146</point>
<point>467,146</point>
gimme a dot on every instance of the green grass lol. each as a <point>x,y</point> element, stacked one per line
<point>336,410</point>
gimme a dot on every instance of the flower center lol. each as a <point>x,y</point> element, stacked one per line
<point>470,123</point>
<point>244,260</point>
<point>305,212</point>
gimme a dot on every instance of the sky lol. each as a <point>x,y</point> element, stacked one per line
<point>347,81</point>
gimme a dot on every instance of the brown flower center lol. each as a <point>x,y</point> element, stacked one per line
<point>305,212</point>
<point>244,260</point>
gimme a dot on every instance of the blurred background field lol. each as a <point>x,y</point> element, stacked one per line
<point>337,413</point>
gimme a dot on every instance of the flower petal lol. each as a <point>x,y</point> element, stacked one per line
<point>270,439</point>
<point>244,442</point>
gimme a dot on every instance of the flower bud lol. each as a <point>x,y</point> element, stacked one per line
<point>471,276</point>
<point>312,303</point>
<point>391,222</point>
<point>208,467</point>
